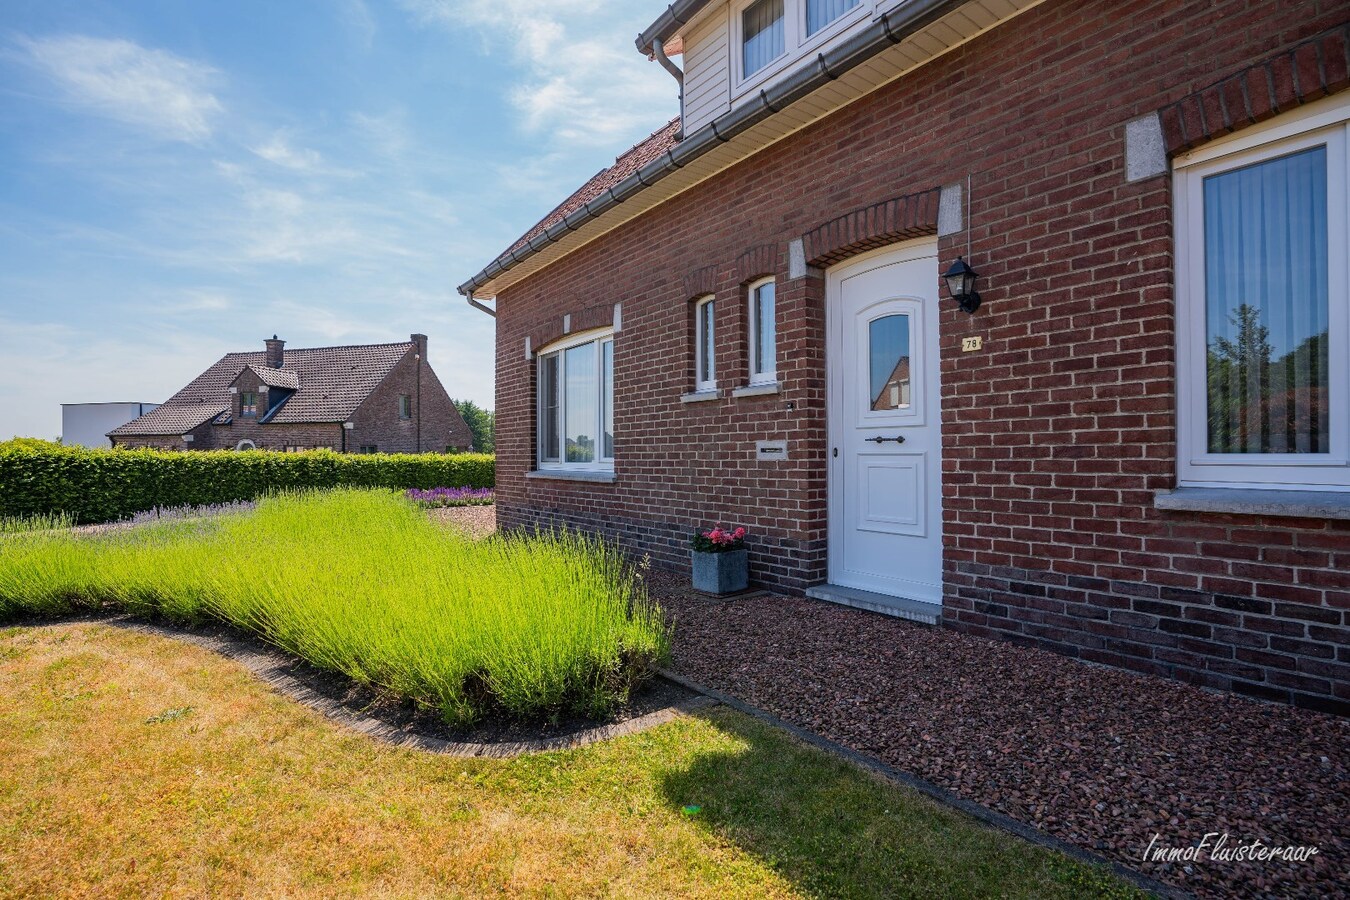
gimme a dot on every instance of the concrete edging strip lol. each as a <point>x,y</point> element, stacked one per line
<point>943,796</point>
<point>269,667</point>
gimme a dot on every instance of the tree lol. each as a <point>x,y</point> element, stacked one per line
<point>482,425</point>
<point>1239,385</point>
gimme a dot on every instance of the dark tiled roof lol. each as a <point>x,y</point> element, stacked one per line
<point>647,150</point>
<point>277,378</point>
<point>175,419</point>
<point>331,383</point>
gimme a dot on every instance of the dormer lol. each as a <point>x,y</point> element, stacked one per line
<point>734,49</point>
<point>259,390</point>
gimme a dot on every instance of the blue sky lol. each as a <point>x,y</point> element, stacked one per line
<point>183,178</point>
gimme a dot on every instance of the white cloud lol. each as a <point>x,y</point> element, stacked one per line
<point>278,150</point>
<point>583,83</point>
<point>358,19</point>
<point>165,94</point>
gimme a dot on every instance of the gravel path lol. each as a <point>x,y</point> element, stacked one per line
<point>1102,758</point>
<point>478,521</point>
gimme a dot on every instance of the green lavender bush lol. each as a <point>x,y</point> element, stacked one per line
<point>361,582</point>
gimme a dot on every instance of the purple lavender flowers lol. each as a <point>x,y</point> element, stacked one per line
<point>444,496</point>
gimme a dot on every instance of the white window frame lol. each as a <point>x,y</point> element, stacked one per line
<point>759,373</point>
<point>1325,123</point>
<point>703,352</point>
<point>601,463</point>
<point>796,42</point>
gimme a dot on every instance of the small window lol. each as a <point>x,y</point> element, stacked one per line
<point>763,37</point>
<point>576,404</point>
<point>404,406</point>
<point>248,404</point>
<point>370,448</point>
<point>1263,306</point>
<point>705,345</point>
<point>820,13</point>
<point>763,333</point>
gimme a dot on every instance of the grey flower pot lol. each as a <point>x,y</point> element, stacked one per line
<point>721,573</point>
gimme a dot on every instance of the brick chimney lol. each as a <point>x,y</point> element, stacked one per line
<point>421,341</point>
<point>275,356</point>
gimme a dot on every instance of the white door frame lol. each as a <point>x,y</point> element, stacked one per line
<point>836,370</point>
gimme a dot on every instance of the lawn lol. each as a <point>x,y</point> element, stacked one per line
<point>133,764</point>
<point>362,582</point>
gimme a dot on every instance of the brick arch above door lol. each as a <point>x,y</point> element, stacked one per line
<point>873,227</point>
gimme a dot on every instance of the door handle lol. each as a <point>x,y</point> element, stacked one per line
<point>898,439</point>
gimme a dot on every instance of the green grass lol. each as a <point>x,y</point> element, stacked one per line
<point>253,795</point>
<point>361,582</point>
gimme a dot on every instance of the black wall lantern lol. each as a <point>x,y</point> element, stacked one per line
<point>961,282</point>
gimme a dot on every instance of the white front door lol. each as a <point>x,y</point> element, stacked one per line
<point>885,484</point>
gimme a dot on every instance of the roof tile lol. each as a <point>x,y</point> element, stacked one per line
<point>647,150</point>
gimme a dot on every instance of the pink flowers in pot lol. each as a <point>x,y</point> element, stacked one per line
<point>719,540</point>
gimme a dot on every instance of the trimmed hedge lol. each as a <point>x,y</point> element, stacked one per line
<point>104,485</point>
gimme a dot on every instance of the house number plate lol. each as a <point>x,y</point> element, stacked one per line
<point>971,344</point>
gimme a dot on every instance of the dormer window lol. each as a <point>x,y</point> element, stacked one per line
<point>763,36</point>
<point>248,404</point>
<point>773,33</point>
<point>820,13</point>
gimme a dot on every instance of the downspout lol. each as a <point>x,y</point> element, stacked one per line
<point>659,52</point>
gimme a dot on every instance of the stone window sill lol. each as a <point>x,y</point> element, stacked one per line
<point>564,475</point>
<point>757,390</point>
<point>1252,502</point>
<point>701,396</point>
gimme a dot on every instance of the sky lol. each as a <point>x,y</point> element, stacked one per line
<point>184,178</point>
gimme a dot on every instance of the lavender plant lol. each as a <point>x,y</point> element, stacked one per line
<point>445,497</point>
<point>362,582</point>
<point>180,513</point>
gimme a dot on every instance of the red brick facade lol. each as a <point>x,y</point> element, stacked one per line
<point>1056,436</point>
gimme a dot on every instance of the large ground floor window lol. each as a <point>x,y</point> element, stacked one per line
<point>1263,291</point>
<point>576,403</point>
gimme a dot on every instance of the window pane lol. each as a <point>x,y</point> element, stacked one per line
<point>706,342</point>
<point>607,396</point>
<point>764,349</point>
<point>548,412</point>
<point>1266,306</point>
<point>888,349</point>
<point>582,406</point>
<point>762,24</point>
<point>820,13</point>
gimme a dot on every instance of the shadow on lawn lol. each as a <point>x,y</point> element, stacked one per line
<point>835,830</point>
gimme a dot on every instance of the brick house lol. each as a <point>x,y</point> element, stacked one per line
<point>1134,451</point>
<point>367,398</point>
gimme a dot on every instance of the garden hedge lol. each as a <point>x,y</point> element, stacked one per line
<point>105,485</point>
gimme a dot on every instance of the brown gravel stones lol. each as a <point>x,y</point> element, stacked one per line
<point>1099,757</point>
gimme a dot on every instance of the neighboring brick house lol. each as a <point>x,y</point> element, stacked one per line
<point>1135,451</point>
<point>360,399</point>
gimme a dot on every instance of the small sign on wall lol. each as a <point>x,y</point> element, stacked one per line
<point>971,344</point>
<point>771,451</point>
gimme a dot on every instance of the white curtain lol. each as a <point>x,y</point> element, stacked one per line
<point>820,13</point>
<point>1267,300</point>
<point>763,36</point>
